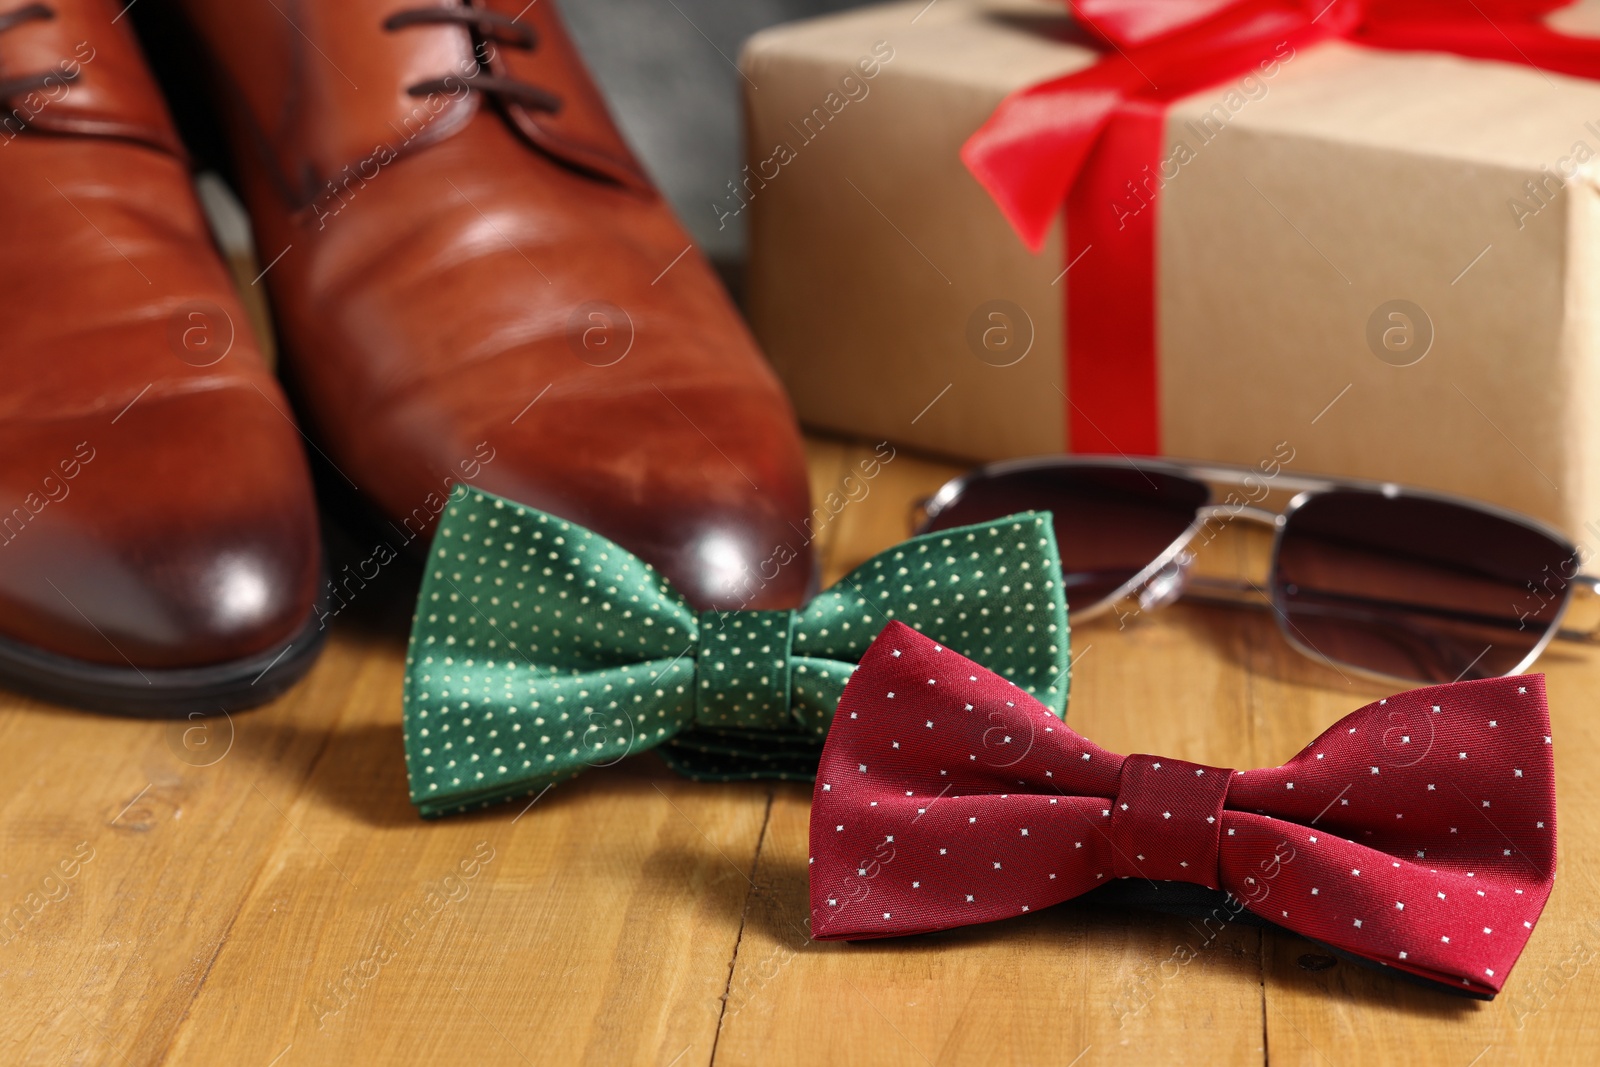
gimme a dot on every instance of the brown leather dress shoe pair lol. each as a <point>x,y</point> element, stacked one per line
<point>473,281</point>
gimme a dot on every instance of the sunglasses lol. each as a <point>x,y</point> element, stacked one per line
<point>1392,583</point>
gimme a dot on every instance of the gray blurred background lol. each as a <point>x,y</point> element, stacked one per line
<point>667,67</point>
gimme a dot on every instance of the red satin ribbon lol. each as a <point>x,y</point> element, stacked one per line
<point>1092,140</point>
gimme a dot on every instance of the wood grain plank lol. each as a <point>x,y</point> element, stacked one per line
<point>284,903</point>
<point>594,925</point>
<point>126,850</point>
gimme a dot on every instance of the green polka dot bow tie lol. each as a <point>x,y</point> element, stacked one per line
<point>540,648</point>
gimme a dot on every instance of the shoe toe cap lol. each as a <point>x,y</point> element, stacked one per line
<point>184,536</point>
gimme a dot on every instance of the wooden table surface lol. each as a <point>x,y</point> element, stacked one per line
<point>259,891</point>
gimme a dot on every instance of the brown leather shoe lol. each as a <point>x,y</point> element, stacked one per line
<point>478,283</point>
<point>158,542</point>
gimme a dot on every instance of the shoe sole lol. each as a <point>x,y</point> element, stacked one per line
<point>161,693</point>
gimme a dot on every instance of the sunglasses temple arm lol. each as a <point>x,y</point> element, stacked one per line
<point>1226,591</point>
<point>1581,620</point>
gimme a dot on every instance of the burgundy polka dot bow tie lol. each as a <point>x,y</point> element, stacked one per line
<point>1417,833</point>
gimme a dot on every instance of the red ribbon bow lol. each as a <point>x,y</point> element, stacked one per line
<point>1095,141</point>
<point>1418,832</point>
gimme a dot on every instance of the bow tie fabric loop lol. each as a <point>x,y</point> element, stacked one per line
<point>1166,821</point>
<point>1417,833</point>
<point>742,663</point>
<point>540,648</point>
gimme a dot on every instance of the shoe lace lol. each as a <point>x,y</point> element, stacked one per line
<point>490,26</point>
<point>28,83</point>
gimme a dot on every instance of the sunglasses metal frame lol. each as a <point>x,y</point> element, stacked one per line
<point>1151,591</point>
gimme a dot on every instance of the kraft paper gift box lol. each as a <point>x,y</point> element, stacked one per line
<point>1389,260</point>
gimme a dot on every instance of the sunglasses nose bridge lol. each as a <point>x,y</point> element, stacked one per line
<point>1167,584</point>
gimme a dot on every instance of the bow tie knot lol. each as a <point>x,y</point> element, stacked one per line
<point>1166,820</point>
<point>742,663</point>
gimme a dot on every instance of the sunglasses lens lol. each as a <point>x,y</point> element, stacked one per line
<point>1110,522</point>
<point>1418,588</point>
